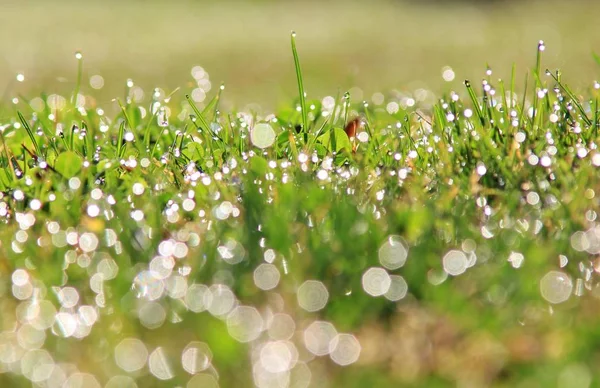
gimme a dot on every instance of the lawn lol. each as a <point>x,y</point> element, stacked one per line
<point>450,240</point>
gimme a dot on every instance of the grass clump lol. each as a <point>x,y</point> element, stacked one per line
<point>175,244</point>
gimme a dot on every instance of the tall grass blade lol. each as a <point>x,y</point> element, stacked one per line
<point>476,105</point>
<point>572,97</point>
<point>121,139</point>
<point>79,57</point>
<point>25,124</point>
<point>300,81</point>
<point>200,116</point>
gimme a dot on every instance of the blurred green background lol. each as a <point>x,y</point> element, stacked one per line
<point>374,45</point>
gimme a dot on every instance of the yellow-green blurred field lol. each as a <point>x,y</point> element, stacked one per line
<point>374,45</point>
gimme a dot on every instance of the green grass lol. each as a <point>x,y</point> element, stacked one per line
<point>115,228</point>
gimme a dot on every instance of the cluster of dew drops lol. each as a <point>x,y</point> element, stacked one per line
<point>283,342</point>
<point>282,347</point>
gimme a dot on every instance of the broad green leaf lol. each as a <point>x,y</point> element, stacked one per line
<point>335,140</point>
<point>68,164</point>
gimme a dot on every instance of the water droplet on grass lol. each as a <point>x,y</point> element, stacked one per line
<point>318,336</point>
<point>131,354</point>
<point>398,288</point>
<point>376,281</point>
<point>152,315</point>
<point>556,287</point>
<point>223,300</point>
<point>448,74</point>
<point>159,365</point>
<point>244,324</point>
<point>455,262</point>
<point>196,357</point>
<point>282,327</point>
<point>266,276</point>
<point>312,295</point>
<point>278,356</point>
<point>262,135</point>
<point>393,253</point>
<point>344,349</point>
<point>541,45</point>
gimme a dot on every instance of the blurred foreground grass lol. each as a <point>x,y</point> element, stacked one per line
<point>373,45</point>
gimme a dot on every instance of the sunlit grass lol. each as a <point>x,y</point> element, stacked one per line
<point>448,240</point>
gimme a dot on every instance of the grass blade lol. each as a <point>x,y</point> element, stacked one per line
<point>148,126</point>
<point>79,57</point>
<point>124,110</point>
<point>213,104</point>
<point>120,139</point>
<point>25,124</point>
<point>72,139</point>
<point>301,93</point>
<point>9,165</point>
<point>572,97</point>
<point>203,123</point>
<point>475,102</point>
